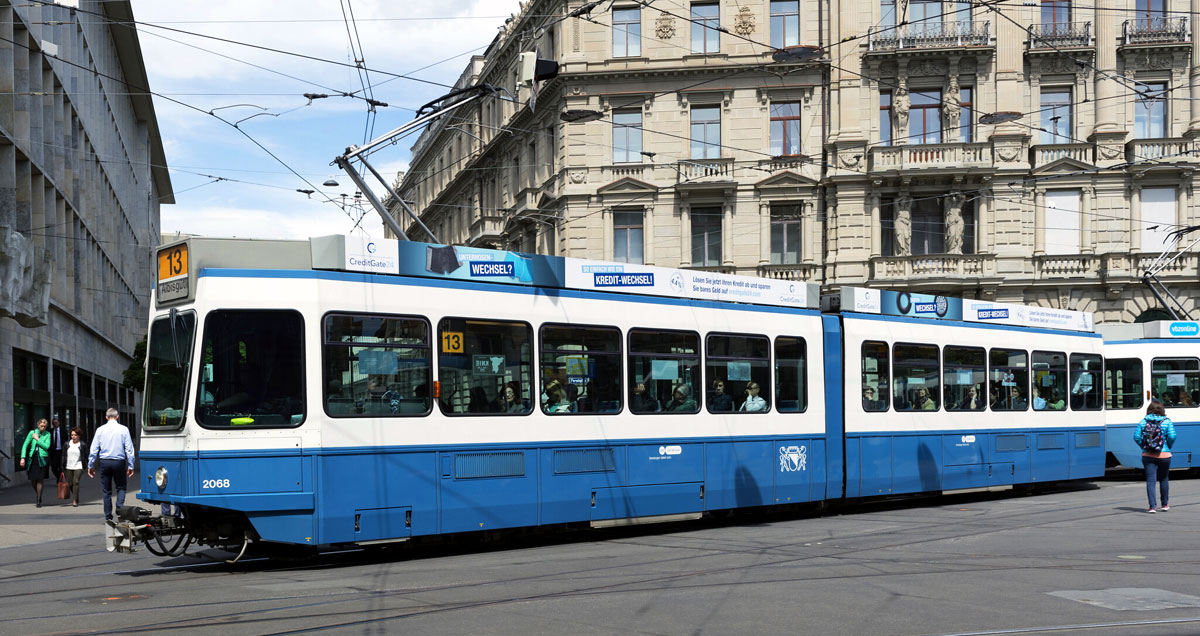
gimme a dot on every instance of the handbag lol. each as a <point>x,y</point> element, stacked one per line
<point>64,487</point>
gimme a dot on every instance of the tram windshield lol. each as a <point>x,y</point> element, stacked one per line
<point>168,359</point>
<point>252,372</point>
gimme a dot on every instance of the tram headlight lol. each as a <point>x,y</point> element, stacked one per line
<point>160,477</point>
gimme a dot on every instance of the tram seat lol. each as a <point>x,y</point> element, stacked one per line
<point>788,405</point>
<point>413,405</point>
<point>610,406</point>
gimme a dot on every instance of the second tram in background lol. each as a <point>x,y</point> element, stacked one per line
<point>1154,360</point>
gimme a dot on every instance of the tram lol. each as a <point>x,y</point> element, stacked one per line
<point>1155,360</point>
<point>344,391</point>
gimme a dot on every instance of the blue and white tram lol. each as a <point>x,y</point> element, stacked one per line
<point>334,392</point>
<point>1154,360</point>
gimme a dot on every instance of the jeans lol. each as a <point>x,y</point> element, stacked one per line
<point>1157,469</point>
<point>112,470</point>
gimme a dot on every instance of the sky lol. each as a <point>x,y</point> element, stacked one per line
<point>225,184</point>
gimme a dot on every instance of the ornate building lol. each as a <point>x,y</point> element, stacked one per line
<point>82,175</point>
<point>1035,153</point>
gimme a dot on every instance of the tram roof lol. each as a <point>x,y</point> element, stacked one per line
<point>914,305</point>
<point>180,262</point>
<point>1153,330</point>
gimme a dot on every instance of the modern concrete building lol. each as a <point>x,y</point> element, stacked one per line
<point>886,163</point>
<point>82,175</point>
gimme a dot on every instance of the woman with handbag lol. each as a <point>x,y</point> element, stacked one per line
<point>37,450</point>
<point>76,455</point>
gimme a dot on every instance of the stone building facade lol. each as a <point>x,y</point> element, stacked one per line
<point>82,175</point>
<point>883,163</point>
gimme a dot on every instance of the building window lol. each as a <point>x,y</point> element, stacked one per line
<point>627,32</point>
<point>928,227</point>
<point>887,14</point>
<point>706,132</point>
<point>785,23</point>
<point>706,237</point>
<point>627,136</point>
<point>706,17</point>
<point>1056,116</point>
<point>1151,11</point>
<point>1056,12</point>
<point>925,117</point>
<point>1062,221</point>
<point>887,227</point>
<point>885,118</point>
<point>962,12</point>
<point>1158,218</point>
<point>966,115</point>
<point>785,129</point>
<point>925,16</point>
<point>785,234</point>
<point>627,237</point>
<point>1150,121</point>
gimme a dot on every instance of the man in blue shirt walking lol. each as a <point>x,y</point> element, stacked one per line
<point>113,448</point>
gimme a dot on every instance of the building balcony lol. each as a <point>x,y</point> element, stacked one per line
<point>1158,30</point>
<point>1066,266</point>
<point>702,170</point>
<point>800,272</point>
<point>1060,35</point>
<point>1043,154</point>
<point>641,171</point>
<point>1168,149</point>
<point>485,230</point>
<point>933,35</point>
<point>718,269</point>
<point>900,269</point>
<point>924,156</point>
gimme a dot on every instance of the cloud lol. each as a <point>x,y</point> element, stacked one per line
<point>307,137</point>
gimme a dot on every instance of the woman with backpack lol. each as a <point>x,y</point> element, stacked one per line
<point>1156,434</point>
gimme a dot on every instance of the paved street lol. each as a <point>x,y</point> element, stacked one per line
<point>1071,561</point>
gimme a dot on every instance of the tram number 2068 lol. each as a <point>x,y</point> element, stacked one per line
<point>209,484</point>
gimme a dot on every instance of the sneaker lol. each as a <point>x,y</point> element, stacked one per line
<point>1151,511</point>
<point>1165,508</point>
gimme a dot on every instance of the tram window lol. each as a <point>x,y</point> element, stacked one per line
<point>739,373</point>
<point>377,366</point>
<point>916,385</point>
<point>791,375</point>
<point>1085,382</point>
<point>168,360</point>
<point>253,373</point>
<point>581,369</point>
<point>1123,383</point>
<point>1176,381</point>
<point>1008,381</point>
<point>964,372</point>
<point>1049,381</point>
<point>478,360</point>
<point>664,371</point>
<point>876,376</point>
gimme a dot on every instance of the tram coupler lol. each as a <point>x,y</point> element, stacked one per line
<point>135,524</point>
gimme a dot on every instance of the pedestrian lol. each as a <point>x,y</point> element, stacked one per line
<point>1156,434</point>
<point>37,450</point>
<point>58,441</point>
<point>112,449</point>
<point>77,453</point>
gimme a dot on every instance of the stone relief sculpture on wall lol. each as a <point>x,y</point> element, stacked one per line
<point>903,225</point>
<point>664,27</point>
<point>954,222</point>
<point>25,272</point>
<point>743,22</point>
<point>900,109</point>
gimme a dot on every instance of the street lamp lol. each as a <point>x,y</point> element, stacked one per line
<point>1002,117</point>
<point>797,53</point>
<point>580,116</point>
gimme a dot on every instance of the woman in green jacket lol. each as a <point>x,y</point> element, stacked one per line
<point>37,449</point>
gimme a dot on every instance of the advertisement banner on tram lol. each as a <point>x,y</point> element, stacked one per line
<point>700,285</point>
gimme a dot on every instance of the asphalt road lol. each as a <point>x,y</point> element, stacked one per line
<point>1084,559</point>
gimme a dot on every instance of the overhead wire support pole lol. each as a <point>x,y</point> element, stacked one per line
<point>360,153</point>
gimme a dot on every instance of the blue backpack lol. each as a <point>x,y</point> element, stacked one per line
<point>1152,436</point>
